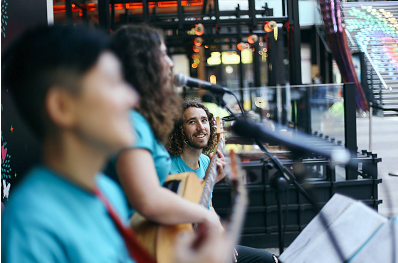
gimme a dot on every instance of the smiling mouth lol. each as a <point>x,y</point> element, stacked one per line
<point>200,136</point>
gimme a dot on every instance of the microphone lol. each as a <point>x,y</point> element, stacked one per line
<point>300,142</point>
<point>182,80</point>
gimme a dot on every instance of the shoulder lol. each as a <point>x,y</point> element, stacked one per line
<point>137,117</point>
<point>144,137</point>
<point>175,158</point>
<point>32,213</point>
<point>140,124</point>
<point>39,183</point>
<point>176,166</point>
<point>204,159</point>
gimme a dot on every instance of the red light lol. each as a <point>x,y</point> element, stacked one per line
<point>199,29</point>
<point>266,28</point>
<point>252,39</point>
<point>198,41</point>
<point>240,46</point>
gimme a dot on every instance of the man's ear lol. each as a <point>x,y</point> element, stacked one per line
<point>60,107</point>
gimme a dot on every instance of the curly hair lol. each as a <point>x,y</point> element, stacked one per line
<point>177,137</point>
<point>138,48</point>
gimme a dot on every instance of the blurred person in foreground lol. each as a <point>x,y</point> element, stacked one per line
<point>71,91</point>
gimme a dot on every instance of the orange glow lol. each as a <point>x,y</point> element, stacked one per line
<point>93,7</point>
<point>240,46</point>
<point>196,50</point>
<point>266,28</point>
<point>199,29</point>
<point>213,79</point>
<point>183,3</point>
<point>194,65</point>
<point>198,41</point>
<point>61,8</point>
<point>252,39</point>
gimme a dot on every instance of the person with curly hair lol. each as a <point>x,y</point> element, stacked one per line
<point>142,168</point>
<point>194,136</point>
<point>192,139</point>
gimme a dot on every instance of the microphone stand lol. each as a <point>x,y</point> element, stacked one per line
<point>280,181</point>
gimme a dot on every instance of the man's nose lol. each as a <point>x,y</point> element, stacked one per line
<point>199,126</point>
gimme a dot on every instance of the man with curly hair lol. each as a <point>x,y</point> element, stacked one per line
<point>193,137</point>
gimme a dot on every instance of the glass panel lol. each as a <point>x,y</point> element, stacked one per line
<point>284,104</point>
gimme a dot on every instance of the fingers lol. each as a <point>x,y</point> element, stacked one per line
<point>235,255</point>
<point>220,170</point>
<point>221,163</point>
<point>220,154</point>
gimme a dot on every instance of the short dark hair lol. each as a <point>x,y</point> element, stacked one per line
<point>177,137</point>
<point>45,56</point>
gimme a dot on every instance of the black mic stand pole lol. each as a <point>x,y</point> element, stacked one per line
<point>280,181</point>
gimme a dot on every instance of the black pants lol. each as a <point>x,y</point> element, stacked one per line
<point>253,255</point>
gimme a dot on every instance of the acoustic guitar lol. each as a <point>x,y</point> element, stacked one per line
<point>159,239</point>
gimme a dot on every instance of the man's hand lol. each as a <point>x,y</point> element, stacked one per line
<point>220,165</point>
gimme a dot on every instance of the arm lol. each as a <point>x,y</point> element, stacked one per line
<point>137,174</point>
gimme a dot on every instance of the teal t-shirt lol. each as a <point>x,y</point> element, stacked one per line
<point>179,166</point>
<point>145,139</point>
<point>50,219</point>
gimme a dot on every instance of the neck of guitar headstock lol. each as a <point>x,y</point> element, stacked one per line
<point>211,173</point>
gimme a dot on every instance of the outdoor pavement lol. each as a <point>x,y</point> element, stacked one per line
<point>385,145</point>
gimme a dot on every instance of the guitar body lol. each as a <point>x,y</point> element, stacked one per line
<point>158,239</point>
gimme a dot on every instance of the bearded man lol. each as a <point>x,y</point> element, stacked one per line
<point>193,137</point>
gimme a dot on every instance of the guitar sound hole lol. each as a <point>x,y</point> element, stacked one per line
<point>172,185</point>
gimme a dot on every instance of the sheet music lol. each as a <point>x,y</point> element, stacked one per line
<point>352,223</point>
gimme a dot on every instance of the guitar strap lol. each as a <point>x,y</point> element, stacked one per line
<point>135,249</point>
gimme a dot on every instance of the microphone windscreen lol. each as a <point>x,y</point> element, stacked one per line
<point>180,80</point>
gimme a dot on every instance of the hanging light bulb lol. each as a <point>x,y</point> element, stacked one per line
<point>198,41</point>
<point>252,39</point>
<point>266,28</point>
<point>199,29</point>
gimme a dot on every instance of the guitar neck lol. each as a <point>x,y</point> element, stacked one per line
<point>210,178</point>
<point>211,172</point>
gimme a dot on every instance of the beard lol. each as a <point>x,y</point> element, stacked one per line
<point>195,145</point>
